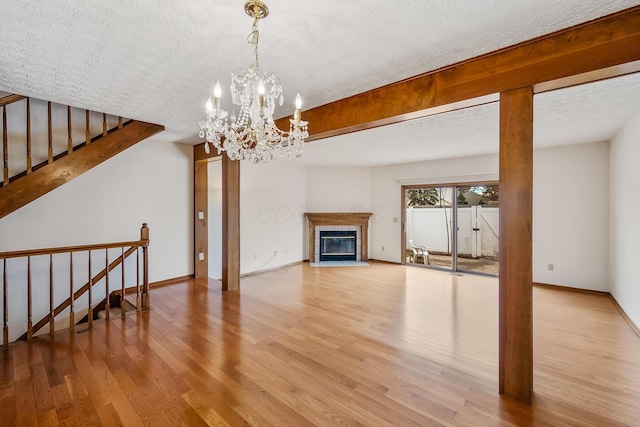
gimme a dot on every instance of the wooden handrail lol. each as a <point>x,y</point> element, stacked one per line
<point>142,295</point>
<point>51,157</point>
<point>64,153</point>
<point>67,249</point>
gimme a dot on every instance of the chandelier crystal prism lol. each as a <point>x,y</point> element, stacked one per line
<point>252,134</point>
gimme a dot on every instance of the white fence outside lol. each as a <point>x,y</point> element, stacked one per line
<point>477,229</point>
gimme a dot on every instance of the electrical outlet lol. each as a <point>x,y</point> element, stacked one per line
<point>200,215</point>
<point>550,267</point>
<point>201,256</point>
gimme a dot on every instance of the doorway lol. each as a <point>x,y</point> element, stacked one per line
<point>453,227</point>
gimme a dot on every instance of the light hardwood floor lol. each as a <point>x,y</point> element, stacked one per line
<point>384,345</point>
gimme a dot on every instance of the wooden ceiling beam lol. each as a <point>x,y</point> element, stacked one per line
<point>602,43</point>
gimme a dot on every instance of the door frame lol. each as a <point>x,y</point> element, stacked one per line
<point>454,222</point>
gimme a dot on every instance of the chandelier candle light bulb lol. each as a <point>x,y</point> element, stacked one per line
<point>296,116</point>
<point>253,133</point>
<point>261,93</point>
<point>217,91</point>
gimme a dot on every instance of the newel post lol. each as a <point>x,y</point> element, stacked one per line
<point>144,238</point>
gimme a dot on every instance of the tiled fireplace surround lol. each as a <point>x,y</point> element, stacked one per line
<point>338,221</point>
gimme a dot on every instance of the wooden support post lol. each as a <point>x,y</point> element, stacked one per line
<point>29,302</point>
<point>107,306</point>
<point>5,305</point>
<point>90,294</point>
<point>72,320</point>
<point>29,160</point>
<point>104,124</point>
<point>52,316</point>
<point>138,302</point>
<point>515,283</point>
<point>123,304</point>
<point>119,122</point>
<point>230,224</point>
<point>144,235</point>
<point>200,228</point>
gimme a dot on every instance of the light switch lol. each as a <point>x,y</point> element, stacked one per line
<point>201,256</point>
<point>200,215</point>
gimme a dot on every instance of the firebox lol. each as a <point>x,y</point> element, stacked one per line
<point>338,246</point>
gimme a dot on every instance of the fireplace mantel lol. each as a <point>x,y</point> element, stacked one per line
<point>359,219</point>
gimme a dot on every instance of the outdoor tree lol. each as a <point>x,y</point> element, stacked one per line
<point>461,199</point>
<point>422,197</point>
<point>490,195</point>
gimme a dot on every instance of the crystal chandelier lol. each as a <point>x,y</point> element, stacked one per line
<point>253,134</point>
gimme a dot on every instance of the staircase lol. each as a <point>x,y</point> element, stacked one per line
<point>48,280</point>
<point>45,145</point>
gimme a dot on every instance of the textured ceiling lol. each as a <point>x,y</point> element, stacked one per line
<point>575,115</point>
<point>157,60</point>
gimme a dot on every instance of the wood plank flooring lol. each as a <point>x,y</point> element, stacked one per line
<point>384,345</point>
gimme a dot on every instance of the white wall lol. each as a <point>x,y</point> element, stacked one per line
<point>151,182</point>
<point>625,205</point>
<point>272,197</point>
<point>571,215</point>
<point>338,189</point>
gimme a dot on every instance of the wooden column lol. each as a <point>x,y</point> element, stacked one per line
<point>515,283</point>
<point>201,229</point>
<point>230,224</point>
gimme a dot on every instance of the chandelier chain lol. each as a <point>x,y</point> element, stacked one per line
<point>254,37</point>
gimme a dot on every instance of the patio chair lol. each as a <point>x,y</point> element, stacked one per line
<point>419,253</point>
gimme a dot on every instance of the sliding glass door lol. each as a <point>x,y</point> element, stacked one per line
<point>452,227</point>
<point>477,223</point>
<point>428,238</point>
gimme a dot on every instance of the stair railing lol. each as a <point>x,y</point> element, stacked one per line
<point>126,249</point>
<point>28,167</point>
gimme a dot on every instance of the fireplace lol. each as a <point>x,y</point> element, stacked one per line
<point>344,223</point>
<point>338,245</point>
